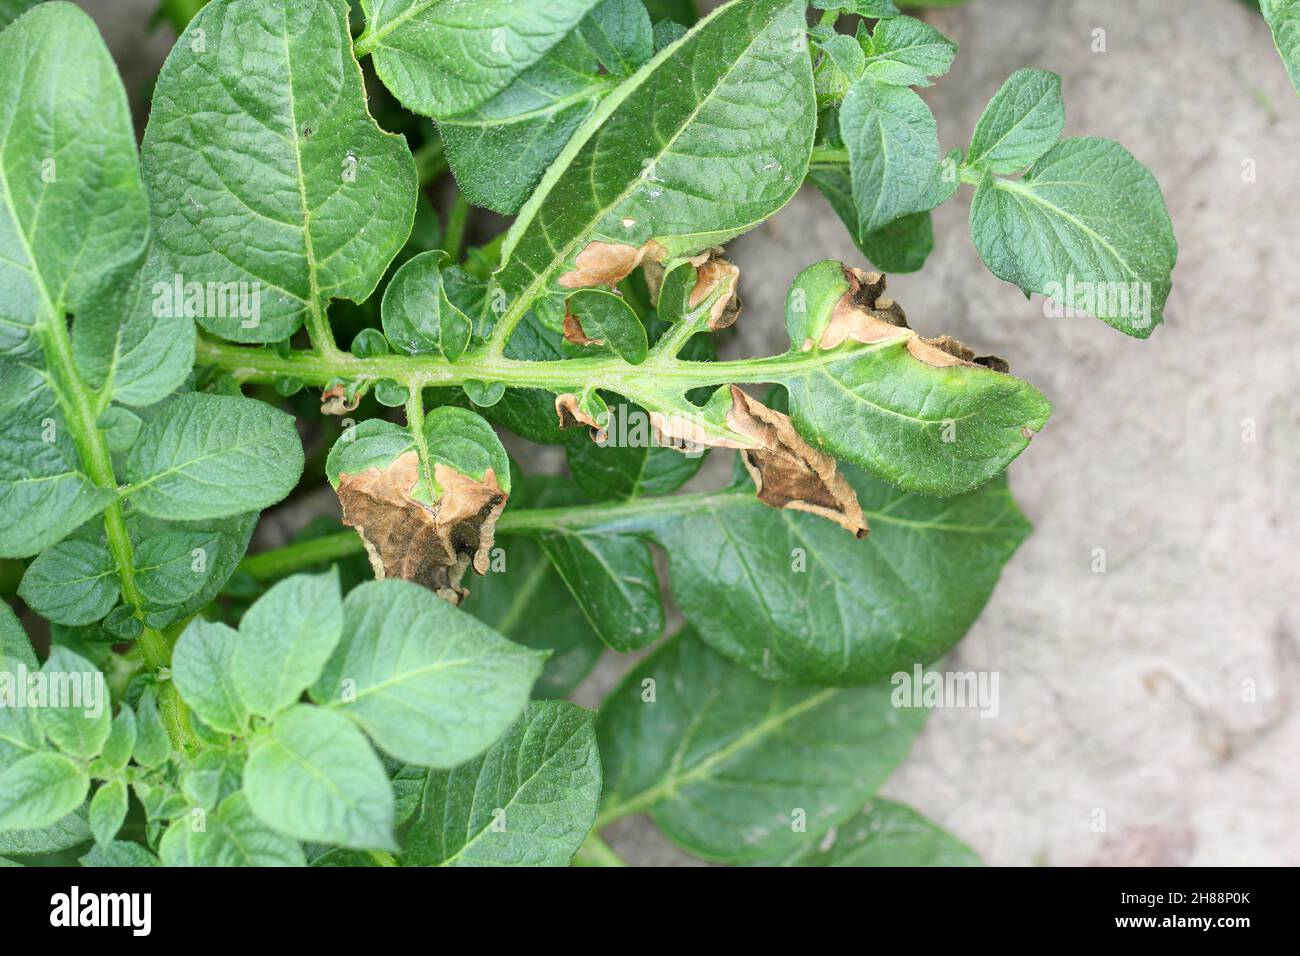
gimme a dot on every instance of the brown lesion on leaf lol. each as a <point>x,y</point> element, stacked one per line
<point>865,315</point>
<point>721,276</point>
<point>335,401</point>
<point>430,545</point>
<point>608,263</point>
<point>787,471</point>
<point>573,332</point>
<point>570,413</point>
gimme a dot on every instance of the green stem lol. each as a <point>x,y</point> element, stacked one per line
<point>647,380</point>
<point>381,858</point>
<point>826,156</point>
<point>80,405</point>
<point>454,238</point>
<point>415,425</point>
<point>596,852</point>
<point>281,562</point>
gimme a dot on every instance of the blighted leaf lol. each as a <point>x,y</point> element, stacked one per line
<point>270,183</point>
<point>543,778</point>
<point>884,833</point>
<point>431,545</point>
<point>734,123</point>
<point>442,58</point>
<point>430,684</point>
<point>735,768</point>
<point>926,414</point>
<point>1022,122</point>
<point>600,318</point>
<point>1087,227</point>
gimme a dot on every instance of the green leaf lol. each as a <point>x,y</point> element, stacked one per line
<point>620,33</point>
<point>528,603</point>
<point>1283,18</point>
<point>212,778</point>
<point>795,597</point>
<point>893,151</point>
<point>418,317</point>
<point>906,52</point>
<point>208,456</point>
<point>116,752</point>
<point>463,441</point>
<point>77,715</point>
<point>441,59</point>
<point>202,664</point>
<point>14,642</point>
<point>863,8</point>
<point>270,183</point>
<point>500,149</point>
<point>734,768</point>
<point>11,10</point>
<point>285,639</point>
<point>430,684</point>
<point>127,344</point>
<point>119,853</point>
<point>614,469</point>
<point>64,833</point>
<point>530,800</point>
<point>733,130</point>
<point>1022,122</point>
<point>39,790</point>
<point>1085,226</point>
<point>74,583</point>
<point>120,426</point>
<point>44,493</point>
<point>73,210</point>
<point>902,246</point>
<point>607,320</point>
<point>108,810</point>
<point>171,568</point>
<point>152,745</point>
<point>883,834</point>
<point>314,777</point>
<point>236,837</point>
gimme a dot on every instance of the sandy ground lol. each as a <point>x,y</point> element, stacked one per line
<point>1148,712</point>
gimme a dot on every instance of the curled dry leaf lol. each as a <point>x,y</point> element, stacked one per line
<point>787,471</point>
<point>570,412</point>
<point>431,545</point>
<point>335,401</point>
<point>865,315</point>
<point>712,275</point>
<point>608,263</point>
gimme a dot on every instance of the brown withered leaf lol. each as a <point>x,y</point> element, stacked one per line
<point>864,315</point>
<point>570,413</point>
<point>335,401</point>
<point>608,263</point>
<point>787,471</point>
<point>711,275</point>
<point>430,545</point>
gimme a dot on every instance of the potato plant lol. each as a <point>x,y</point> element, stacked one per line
<point>390,690</point>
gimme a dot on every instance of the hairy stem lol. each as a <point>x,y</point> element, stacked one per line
<point>430,161</point>
<point>454,237</point>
